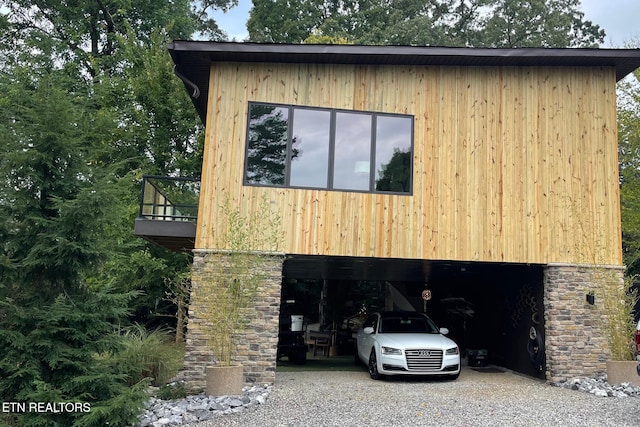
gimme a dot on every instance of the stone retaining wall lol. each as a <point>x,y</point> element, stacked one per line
<point>257,344</point>
<point>576,341</point>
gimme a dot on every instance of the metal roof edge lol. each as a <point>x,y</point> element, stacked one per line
<point>395,50</point>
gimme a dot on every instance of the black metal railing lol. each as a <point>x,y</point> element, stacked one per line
<point>165,198</point>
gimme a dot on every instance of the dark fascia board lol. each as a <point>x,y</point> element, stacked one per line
<point>193,58</point>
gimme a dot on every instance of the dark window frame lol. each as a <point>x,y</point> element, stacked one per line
<point>333,112</point>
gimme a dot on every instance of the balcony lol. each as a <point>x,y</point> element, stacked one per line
<point>168,212</point>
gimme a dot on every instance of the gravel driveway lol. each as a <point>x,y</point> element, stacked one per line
<point>332,398</point>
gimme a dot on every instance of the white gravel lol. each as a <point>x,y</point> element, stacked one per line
<point>333,398</point>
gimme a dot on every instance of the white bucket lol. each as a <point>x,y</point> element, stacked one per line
<point>296,322</point>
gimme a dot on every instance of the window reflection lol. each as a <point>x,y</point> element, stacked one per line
<point>311,133</point>
<point>393,154</point>
<point>352,151</point>
<point>267,144</point>
<point>327,148</point>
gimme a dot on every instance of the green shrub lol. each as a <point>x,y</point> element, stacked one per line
<point>172,391</point>
<point>150,354</point>
<point>50,354</point>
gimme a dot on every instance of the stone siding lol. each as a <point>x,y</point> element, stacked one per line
<point>576,341</point>
<point>257,344</point>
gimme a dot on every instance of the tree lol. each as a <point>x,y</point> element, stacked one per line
<point>89,103</point>
<point>171,131</point>
<point>117,50</point>
<point>267,144</point>
<point>282,21</point>
<point>89,34</point>
<point>491,23</point>
<point>48,209</point>
<point>315,39</point>
<point>539,23</point>
<point>629,161</point>
<point>53,206</point>
<point>139,116</point>
<point>396,175</point>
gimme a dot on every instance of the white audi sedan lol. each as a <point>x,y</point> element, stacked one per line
<point>406,343</point>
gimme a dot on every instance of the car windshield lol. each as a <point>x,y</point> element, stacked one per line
<point>407,325</point>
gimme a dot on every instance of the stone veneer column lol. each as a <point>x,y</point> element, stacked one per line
<point>257,344</point>
<point>576,340</point>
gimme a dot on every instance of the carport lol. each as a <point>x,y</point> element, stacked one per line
<point>491,306</point>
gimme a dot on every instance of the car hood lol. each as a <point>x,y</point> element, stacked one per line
<point>415,341</point>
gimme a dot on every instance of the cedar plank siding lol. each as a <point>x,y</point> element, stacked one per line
<point>511,164</point>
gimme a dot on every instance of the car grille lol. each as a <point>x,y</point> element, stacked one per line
<point>423,359</point>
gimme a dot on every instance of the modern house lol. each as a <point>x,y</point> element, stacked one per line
<point>488,177</point>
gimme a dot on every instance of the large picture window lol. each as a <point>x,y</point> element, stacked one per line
<point>302,147</point>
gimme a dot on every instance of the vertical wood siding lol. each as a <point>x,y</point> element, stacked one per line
<point>510,164</point>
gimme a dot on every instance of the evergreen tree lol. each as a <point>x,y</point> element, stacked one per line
<point>64,352</point>
<point>56,335</point>
<point>139,115</point>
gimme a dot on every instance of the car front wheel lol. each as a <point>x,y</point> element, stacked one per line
<point>373,366</point>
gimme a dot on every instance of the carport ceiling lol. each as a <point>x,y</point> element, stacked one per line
<point>350,268</point>
<point>347,268</point>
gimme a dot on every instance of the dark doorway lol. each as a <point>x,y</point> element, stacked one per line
<point>490,306</point>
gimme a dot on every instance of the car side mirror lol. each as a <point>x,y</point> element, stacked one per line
<point>444,331</point>
<point>368,330</point>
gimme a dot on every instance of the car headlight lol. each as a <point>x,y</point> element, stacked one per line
<point>452,351</point>
<point>391,351</point>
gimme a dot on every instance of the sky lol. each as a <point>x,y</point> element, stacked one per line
<point>619,18</point>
